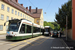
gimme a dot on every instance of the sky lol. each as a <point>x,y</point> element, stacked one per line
<point>49,6</point>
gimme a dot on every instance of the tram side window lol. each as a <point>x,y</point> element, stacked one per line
<point>41,30</point>
<point>22,30</point>
<point>38,30</point>
<point>28,29</point>
<point>35,29</point>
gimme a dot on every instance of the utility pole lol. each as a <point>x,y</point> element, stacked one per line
<point>32,30</point>
<point>66,26</point>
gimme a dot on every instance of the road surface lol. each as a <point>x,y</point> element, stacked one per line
<point>37,43</point>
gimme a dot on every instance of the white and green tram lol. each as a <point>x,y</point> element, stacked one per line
<point>47,30</point>
<point>22,29</point>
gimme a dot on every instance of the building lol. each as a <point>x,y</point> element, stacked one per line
<point>71,32</point>
<point>11,9</point>
<point>38,16</point>
<point>73,19</point>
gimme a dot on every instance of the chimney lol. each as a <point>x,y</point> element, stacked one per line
<point>27,8</point>
<point>21,4</point>
<point>17,1</point>
<point>30,8</point>
<point>36,9</point>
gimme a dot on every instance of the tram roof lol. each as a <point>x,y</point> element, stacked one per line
<point>42,27</point>
<point>36,25</point>
<point>30,23</point>
<point>26,22</point>
<point>46,26</point>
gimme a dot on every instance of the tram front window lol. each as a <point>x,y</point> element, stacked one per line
<point>13,27</point>
<point>46,30</point>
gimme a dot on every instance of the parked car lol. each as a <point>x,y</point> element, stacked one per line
<point>55,34</point>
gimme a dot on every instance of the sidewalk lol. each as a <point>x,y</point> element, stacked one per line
<point>69,42</point>
<point>2,33</point>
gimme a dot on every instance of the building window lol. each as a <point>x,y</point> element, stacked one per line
<point>7,18</point>
<point>15,12</point>
<point>2,7</point>
<point>12,11</point>
<point>2,17</point>
<point>6,27</point>
<point>37,21</point>
<point>8,9</point>
<point>21,14</point>
<point>25,16</point>
<point>1,27</point>
<point>18,13</point>
<point>11,18</point>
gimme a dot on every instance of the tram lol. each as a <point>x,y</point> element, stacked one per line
<point>22,29</point>
<point>47,30</point>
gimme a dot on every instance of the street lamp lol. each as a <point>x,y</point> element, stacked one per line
<point>66,26</point>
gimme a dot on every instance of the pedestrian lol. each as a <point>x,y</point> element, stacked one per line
<point>60,34</point>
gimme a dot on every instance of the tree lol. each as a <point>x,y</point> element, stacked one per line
<point>56,26</point>
<point>53,25</point>
<point>66,10</point>
<point>48,24</point>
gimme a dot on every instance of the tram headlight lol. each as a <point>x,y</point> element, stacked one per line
<point>12,32</point>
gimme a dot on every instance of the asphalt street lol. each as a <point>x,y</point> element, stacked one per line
<point>36,43</point>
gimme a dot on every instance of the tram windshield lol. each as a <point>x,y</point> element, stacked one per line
<point>46,29</point>
<point>13,27</point>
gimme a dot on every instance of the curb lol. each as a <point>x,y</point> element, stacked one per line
<point>65,43</point>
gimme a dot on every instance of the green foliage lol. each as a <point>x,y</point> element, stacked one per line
<point>48,24</point>
<point>53,25</point>
<point>56,26</point>
<point>66,10</point>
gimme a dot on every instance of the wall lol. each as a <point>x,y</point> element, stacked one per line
<point>37,19</point>
<point>73,19</point>
<point>41,20</point>
<point>69,33</point>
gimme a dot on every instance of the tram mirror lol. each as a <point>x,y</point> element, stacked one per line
<point>4,24</point>
<point>18,23</point>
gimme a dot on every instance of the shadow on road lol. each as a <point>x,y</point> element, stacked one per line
<point>38,44</point>
<point>34,43</point>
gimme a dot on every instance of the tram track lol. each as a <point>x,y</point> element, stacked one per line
<point>39,41</point>
<point>23,42</point>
